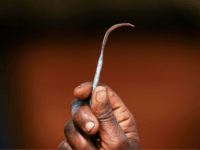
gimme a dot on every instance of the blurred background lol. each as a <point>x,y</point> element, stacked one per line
<point>48,47</point>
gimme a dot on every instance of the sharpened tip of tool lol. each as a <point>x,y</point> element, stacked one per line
<point>125,24</point>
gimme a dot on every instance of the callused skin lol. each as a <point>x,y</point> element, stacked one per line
<point>108,124</point>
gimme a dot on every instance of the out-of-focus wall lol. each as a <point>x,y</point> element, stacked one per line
<point>50,47</point>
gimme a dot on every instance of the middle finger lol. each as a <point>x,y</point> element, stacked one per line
<point>83,117</point>
<point>77,138</point>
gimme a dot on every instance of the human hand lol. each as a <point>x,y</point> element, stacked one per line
<point>108,124</point>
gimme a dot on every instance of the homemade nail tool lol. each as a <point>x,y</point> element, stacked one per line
<point>100,61</point>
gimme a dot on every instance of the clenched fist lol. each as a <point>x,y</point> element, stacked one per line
<point>108,124</point>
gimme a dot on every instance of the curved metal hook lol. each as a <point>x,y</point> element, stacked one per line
<point>100,61</point>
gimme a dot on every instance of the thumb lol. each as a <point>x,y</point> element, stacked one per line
<point>111,134</point>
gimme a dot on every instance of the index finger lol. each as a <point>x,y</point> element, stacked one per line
<point>83,91</point>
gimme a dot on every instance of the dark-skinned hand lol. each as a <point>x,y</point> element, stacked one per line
<point>108,124</point>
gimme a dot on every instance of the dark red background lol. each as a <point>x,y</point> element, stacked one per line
<point>153,67</point>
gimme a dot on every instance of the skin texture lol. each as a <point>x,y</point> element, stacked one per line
<point>114,126</point>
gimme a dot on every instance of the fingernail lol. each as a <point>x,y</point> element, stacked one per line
<point>89,126</point>
<point>101,96</point>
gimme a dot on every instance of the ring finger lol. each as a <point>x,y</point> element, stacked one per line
<point>77,138</point>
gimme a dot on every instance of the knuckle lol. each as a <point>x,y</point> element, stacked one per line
<point>68,129</point>
<point>122,114</point>
<point>105,114</point>
<point>64,145</point>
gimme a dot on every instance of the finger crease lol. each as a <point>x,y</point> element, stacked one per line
<point>124,119</point>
